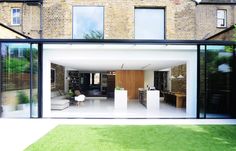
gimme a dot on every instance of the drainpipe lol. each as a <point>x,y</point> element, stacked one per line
<point>22,16</point>
<point>41,20</point>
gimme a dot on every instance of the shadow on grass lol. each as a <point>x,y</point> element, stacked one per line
<point>138,138</point>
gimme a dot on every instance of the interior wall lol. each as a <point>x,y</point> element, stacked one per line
<point>148,78</point>
<point>130,80</point>
<point>60,72</point>
<point>178,85</point>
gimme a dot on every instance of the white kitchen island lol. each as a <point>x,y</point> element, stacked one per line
<point>150,99</point>
<point>121,99</point>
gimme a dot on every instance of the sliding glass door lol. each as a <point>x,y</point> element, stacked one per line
<point>216,81</point>
<point>19,80</point>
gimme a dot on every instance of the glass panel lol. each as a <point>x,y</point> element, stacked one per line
<point>88,22</point>
<point>149,24</point>
<point>14,20</point>
<point>14,11</point>
<point>35,80</point>
<point>220,23</point>
<point>220,14</point>
<point>15,80</point>
<point>219,81</point>
<point>18,20</point>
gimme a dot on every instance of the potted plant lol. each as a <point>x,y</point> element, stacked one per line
<point>70,94</point>
<point>23,100</point>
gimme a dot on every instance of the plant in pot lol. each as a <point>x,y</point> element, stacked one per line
<point>117,88</point>
<point>70,94</point>
<point>23,100</point>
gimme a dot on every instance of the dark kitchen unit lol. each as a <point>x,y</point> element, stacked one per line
<point>143,97</point>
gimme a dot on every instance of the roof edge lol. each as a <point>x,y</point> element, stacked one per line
<point>219,33</point>
<point>13,30</point>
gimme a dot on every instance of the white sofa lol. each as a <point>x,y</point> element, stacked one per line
<point>59,101</point>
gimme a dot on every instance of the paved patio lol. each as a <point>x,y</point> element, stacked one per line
<point>17,134</point>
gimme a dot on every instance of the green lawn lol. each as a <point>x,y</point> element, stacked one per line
<point>138,138</point>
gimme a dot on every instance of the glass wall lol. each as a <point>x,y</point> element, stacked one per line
<point>17,98</point>
<point>216,81</point>
<point>34,76</point>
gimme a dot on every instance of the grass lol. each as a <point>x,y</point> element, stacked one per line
<point>138,138</point>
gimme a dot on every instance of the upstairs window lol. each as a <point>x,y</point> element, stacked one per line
<point>88,22</point>
<point>221,18</point>
<point>15,16</point>
<point>149,23</point>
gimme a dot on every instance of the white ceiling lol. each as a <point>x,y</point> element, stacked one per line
<point>111,65</point>
<point>110,57</point>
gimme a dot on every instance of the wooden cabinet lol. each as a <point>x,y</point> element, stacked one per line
<point>130,80</point>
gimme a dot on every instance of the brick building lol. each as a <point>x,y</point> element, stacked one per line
<point>183,19</point>
<point>151,54</point>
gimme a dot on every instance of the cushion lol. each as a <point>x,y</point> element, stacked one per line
<point>60,107</point>
<point>59,102</point>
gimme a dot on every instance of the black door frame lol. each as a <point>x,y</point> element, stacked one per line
<point>1,108</point>
<point>40,80</point>
<point>234,82</point>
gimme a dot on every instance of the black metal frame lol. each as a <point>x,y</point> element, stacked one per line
<point>216,3</point>
<point>120,41</point>
<point>198,80</point>
<point>40,80</point>
<point>1,109</point>
<point>233,78</point>
<point>205,79</point>
<point>22,1</point>
<point>31,80</point>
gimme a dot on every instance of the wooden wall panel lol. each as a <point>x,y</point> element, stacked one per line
<point>131,80</point>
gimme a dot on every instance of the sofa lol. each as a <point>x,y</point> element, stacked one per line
<point>59,101</point>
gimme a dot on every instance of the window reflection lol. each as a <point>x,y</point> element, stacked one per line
<point>219,61</point>
<point>16,70</point>
<point>87,22</point>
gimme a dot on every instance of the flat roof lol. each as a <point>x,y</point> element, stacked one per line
<point>119,41</point>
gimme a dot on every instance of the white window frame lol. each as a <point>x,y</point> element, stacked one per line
<point>218,18</point>
<point>15,16</point>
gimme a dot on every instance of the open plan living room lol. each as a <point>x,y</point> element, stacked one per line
<point>80,93</point>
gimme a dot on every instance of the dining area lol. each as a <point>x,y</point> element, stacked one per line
<point>177,99</point>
